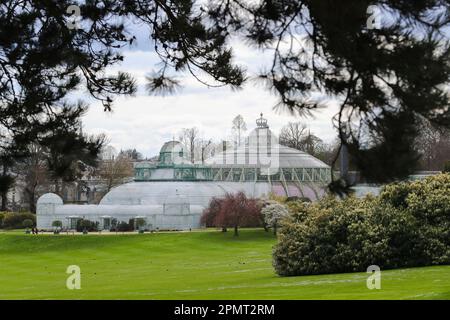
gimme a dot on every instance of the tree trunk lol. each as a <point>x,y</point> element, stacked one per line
<point>4,193</point>
<point>33,206</point>
<point>4,202</point>
<point>275,229</point>
<point>30,193</point>
<point>236,233</point>
<point>56,187</point>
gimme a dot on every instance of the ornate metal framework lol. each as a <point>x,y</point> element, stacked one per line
<point>173,166</point>
<point>185,172</point>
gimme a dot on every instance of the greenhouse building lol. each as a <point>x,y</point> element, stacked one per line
<point>172,193</point>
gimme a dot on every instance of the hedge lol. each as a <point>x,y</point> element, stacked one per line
<point>14,220</point>
<point>408,225</point>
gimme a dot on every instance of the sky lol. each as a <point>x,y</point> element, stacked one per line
<point>145,122</point>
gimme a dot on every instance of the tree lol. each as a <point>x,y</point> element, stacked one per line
<point>6,181</point>
<point>204,149</point>
<point>238,211</point>
<point>312,144</point>
<point>43,60</point>
<point>383,78</point>
<point>33,172</point>
<point>54,165</point>
<point>140,223</point>
<point>297,135</point>
<point>57,224</point>
<point>131,154</point>
<point>210,213</point>
<point>10,149</point>
<point>293,134</point>
<point>433,145</point>
<point>239,126</point>
<point>115,171</point>
<point>273,214</point>
<point>69,155</point>
<point>329,152</point>
<point>27,223</point>
<point>189,136</point>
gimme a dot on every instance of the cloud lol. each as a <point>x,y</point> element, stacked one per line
<point>145,122</point>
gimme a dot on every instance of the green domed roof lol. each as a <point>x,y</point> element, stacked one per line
<point>172,152</point>
<point>172,146</point>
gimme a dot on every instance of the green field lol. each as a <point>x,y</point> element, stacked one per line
<point>185,265</point>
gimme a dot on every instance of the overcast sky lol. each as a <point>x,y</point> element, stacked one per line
<point>145,122</point>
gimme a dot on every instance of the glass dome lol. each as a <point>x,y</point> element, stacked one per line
<point>50,198</point>
<point>263,145</point>
<point>172,152</point>
<point>171,146</point>
<point>162,192</point>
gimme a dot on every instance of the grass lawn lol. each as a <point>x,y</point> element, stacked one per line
<point>195,265</point>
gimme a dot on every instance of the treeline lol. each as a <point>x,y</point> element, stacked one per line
<point>70,166</point>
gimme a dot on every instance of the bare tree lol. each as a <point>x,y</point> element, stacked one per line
<point>297,135</point>
<point>189,137</point>
<point>239,126</point>
<point>293,134</point>
<point>108,152</point>
<point>329,153</point>
<point>204,149</point>
<point>33,174</point>
<point>115,171</point>
<point>312,144</point>
<point>133,154</point>
<point>433,145</point>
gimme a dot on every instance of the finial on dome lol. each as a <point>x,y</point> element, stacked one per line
<point>262,123</point>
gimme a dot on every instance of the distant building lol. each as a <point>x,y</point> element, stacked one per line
<point>173,192</point>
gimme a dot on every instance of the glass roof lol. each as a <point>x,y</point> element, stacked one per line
<point>255,148</point>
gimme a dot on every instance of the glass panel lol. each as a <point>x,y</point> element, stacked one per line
<point>249,174</point>
<point>73,223</point>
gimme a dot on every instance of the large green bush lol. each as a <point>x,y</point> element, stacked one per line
<point>27,223</point>
<point>428,201</point>
<point>407,225</point>
<point>14,220</point>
